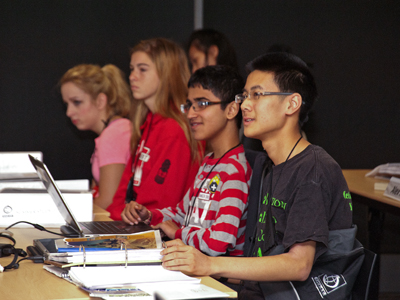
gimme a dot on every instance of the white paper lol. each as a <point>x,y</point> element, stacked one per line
<point>173,291</point>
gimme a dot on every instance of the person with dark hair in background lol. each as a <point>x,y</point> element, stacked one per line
<point>99,99</point>
<point>300,198</point>
<point>212,215</point>
<point>165,156</point>
<point>208,47</point>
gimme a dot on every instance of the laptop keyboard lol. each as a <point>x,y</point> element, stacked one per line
<point>105,227</point>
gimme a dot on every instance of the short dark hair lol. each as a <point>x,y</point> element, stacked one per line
<point>291,74</point>
<point>223,81</point>
<point>203,39</point>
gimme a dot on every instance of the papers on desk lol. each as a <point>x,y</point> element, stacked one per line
<point>136,282</point>
<point>391,172</point>
<point>119,276</point>
<point>385,171</point>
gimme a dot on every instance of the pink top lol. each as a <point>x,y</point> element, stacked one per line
<point>112,146</point>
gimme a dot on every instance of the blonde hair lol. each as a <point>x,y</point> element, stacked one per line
<point>173,71</point>
<point>108,80</point>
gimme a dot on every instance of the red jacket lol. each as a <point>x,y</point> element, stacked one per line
<point>164,167</point>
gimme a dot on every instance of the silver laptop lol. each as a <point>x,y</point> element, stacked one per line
<point>81,229</point>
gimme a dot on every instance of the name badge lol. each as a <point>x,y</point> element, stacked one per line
<point>144,157</point>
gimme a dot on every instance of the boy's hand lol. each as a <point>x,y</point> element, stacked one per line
<point>169,228</point>
<point>180,257</point>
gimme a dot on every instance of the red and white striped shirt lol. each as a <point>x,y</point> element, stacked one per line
<point>214,222</point>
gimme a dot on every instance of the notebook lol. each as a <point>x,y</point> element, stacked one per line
<point>81,229</point>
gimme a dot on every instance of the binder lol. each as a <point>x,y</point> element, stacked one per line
<point>129,280</point>
<point>115,257</point>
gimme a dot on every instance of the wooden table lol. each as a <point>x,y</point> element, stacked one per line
<point>364,186</point>
<point>31,281</point>
<point>362,191</point>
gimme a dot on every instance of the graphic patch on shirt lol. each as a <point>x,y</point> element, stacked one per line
<point>327,284</point>
<point>163,172</point>
<point>214,182</point>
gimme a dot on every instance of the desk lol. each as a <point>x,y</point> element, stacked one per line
<point>364,186</point>
<point>31,281</point>
<point>362,191</point>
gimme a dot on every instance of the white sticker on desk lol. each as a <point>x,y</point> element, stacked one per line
<point>393,188</point>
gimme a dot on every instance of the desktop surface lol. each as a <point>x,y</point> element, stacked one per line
<point>31,281</point>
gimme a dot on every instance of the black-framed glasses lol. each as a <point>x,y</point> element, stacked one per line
<point>197,105</point>
<point>239,98</point>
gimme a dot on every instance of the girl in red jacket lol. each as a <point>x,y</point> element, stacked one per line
<point>165,156</point>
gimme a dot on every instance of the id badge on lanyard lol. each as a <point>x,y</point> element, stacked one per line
<point>143,155</point>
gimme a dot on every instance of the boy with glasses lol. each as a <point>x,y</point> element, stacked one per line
<point>298,194</point>
<point>212,215</point>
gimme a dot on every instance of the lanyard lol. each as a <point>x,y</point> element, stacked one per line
<point>130,193</point>
<point>191,207</point>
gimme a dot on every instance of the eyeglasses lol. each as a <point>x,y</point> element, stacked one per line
<point>239,98</point>
<point>197,105</point>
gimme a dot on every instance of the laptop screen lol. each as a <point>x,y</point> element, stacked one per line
<point>55,194</point>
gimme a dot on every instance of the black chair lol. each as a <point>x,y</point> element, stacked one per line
<point>368,273</point>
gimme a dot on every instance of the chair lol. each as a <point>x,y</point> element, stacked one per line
<point>368,273</point>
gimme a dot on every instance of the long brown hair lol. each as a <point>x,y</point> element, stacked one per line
<point>173,71</point>
<point>109,80</point>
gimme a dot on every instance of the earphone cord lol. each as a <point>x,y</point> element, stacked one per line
<point>41,228</point>
<point>191,207</point>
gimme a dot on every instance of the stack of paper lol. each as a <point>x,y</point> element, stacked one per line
<point>141,281</point>
<point>385,171</point>
<point>136,282</point>
<point>112,276</point>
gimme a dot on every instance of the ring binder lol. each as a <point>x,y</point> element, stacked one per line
<point>126,255</point>
<point>84,255</point>
<point>118,257</point>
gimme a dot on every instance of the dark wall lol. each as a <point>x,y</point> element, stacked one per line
<point>40,40</point>
<point>353,47</point>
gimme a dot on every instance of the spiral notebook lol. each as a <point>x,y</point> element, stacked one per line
<point>73,227</point>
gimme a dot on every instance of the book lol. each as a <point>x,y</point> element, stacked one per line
<point>141,240</point>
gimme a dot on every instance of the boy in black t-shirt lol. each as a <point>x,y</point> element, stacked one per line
<point>304,194</point>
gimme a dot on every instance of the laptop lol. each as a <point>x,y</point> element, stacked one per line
<point>81,229</point>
